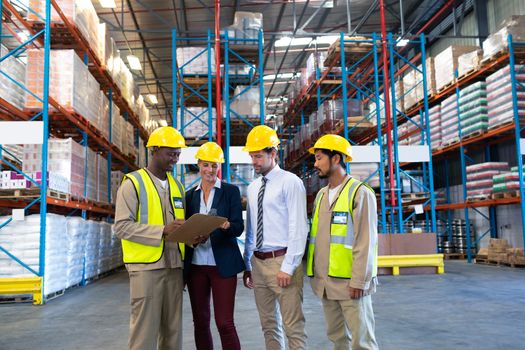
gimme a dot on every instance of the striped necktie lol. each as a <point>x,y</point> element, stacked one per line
<point>260,198</point>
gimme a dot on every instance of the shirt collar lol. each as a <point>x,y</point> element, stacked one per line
<point>273,173</point>
<point>218,184</point>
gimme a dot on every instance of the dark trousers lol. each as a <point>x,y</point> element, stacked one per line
<point>203,282</point>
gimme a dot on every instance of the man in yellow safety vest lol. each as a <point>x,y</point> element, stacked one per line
<point>149,206</point>
<point>342,250</point>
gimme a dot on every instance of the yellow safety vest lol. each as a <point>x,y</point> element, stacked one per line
<point>341,233</point>
<point>150,212</point>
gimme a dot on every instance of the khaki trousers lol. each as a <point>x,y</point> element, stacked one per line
<point>156,309</point>
<point>269,298</point>
<point>356,315</point>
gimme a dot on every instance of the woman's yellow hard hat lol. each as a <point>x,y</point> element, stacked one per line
<point>210,152</point>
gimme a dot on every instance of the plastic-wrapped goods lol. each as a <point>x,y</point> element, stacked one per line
<point>362,172</point>
<point>473,109</point>
<point>116,258</point>
<point>196,122</point>
<point>80,13</point>
<point>497,42</point>
<point>16,70</point>
<point>65,157</point>
<point>102,179</point>
<point>117,130</point>
<point>126,83</point>
<point>245,172</point>
<point>246,25</point>
<point>13,153</point>
<point>104,249</point>
<point>434,115</point>
<point>22,239</point>
<point>92,173</point>
<point>194,60</point>
<point>116,180</point>
<point>446,63</point>
<point>469,62</point>
<point>71,84</point>
<point>413,84</point>
<point>372,111</point>
<point>400,96</point>
<point>91,253</point>
<point>75,246</point>
<point>247,102</point>
<point>499,96</point>
<point>142,161</point>
<point>480,178</point>
<point>449,120</point>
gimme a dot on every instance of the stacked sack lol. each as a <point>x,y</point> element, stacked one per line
<point>507,182</point>
<point>499,95</point>
<point>473,109</point>
<point>449,120</point>
<point>480,179</point>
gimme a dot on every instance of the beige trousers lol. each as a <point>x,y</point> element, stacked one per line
<point>270,298</point>
<point>156,309</point>
<point>356,315</point>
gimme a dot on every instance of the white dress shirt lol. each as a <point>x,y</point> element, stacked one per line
<point>285,222</point>
<point>203,253</point>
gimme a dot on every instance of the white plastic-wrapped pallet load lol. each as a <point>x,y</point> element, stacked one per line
<point>22,239</point>
<point>76,244</point>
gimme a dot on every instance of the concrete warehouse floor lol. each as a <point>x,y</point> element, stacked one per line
<point>467,308</point>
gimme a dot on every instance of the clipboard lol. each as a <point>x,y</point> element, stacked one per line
<point>196,225</point>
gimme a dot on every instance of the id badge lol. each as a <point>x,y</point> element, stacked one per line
<point>177,202</point>
<point>340,217</point>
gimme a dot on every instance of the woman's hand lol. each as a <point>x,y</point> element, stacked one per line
<point>225,226</point>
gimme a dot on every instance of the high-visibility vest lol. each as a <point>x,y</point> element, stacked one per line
<point>150,212</point>
<point>341,233</point>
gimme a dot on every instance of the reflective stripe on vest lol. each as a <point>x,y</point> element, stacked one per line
<point>341,233</point>
<point>150,212</point>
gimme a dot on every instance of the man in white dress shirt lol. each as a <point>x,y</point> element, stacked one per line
<point>276,234</point>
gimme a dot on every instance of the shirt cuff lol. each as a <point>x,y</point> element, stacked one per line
<point>288,268</point>
<point>358,284</point>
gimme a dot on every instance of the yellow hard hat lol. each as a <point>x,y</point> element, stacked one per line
<point>166,136</point>
<point>333,143</point>
<point>210,152</point>
<point>261,137</point>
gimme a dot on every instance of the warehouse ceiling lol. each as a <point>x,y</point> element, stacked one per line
<point>143,28</point>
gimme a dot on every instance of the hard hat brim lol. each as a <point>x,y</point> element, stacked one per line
<point>347,157</point>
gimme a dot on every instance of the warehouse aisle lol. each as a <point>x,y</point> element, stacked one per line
<point>412,312</point>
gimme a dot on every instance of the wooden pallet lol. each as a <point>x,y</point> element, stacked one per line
<point>455,256</point>
<point>32,193</point>
<point>469,72</point>
<point>501,125</point>
<point>478,199</point>
<point>472,135</point>
<point>506,194</point>
<point>449,143</point>
<point>11,299</point>
<point>446,86</point>
<point>415,196</point>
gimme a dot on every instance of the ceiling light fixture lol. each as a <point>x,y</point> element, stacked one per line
<point>107,4</point>
<point>286,41</point>
<point>152,99</point>
<point>134,62</point>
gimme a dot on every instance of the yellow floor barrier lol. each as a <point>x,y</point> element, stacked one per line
<point>424,260</point>
<point>23,285</point>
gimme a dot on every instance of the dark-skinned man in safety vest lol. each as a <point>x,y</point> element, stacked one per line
<point>342,249</point>
<point>149,206</point>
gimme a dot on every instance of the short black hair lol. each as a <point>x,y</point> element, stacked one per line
<point>332,154</point>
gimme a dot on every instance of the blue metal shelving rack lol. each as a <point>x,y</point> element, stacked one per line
<point>35,285</point>
<point>466,160</point>
<point>186,94</point>
<point>43,38</point>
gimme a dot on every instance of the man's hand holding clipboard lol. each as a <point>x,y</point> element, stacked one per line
<point>195,230</point>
